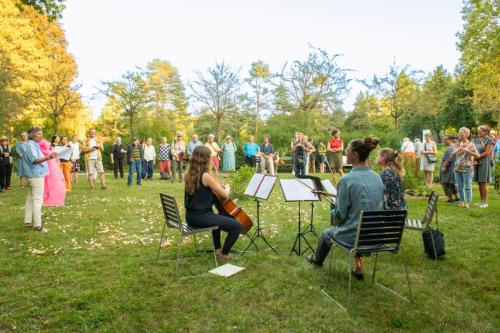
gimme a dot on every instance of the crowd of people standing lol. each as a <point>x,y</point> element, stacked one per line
<point>465,160</point>
<point>48,179</point>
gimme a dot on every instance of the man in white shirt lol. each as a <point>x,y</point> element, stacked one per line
<point>75,158</point>
<point>149,159</point>
<point>92,148</point>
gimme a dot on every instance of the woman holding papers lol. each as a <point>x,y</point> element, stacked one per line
<point>65,162</point>
<point>359,190</point>
<point>201,188</point>
<point>54,192</point>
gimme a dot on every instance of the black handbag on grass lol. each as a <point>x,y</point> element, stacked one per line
<point>438,243</point>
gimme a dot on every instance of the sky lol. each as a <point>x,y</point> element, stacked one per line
<point>109,37</point>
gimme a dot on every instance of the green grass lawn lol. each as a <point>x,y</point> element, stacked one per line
<point>96,270</point>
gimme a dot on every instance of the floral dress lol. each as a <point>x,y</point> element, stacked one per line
<point>393,190</point>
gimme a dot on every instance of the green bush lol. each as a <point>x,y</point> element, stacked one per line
<point>239,181</point>
<point>411,184</point>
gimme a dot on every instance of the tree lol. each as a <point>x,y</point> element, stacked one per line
<point>459,110</point>
<point>130,93</point>
<point>22,64</point>
<point>480,47</point>
<point>433,99</point>
<point>37,72</point>
<point>109,122</point>
<point>392,87</point>
<point>217,92</point>
<point>318,83</point>
<point>168,98</point>
<point>52,8</point>
<point>358,119</point>
<point>259,83</point>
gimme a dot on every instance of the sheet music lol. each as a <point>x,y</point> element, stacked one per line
<point>253,185</point>
<point>226,270</point>
<point>293,190</point>
<point>266,187</point>
<point>63,152</point>
<point>327,184</point>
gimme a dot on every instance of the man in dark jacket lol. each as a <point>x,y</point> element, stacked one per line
<point>135,155</point>
<point>5,164</point>
<point>116,157</point>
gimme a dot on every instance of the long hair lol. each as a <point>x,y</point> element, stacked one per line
<point>198,164</point>
<point>364,146</point>
<point>393,160</point>
<point>54,138</point>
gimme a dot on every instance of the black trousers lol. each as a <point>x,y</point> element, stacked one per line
<point>5,175</point>
<point>225,223</point>
<point>118,166</point>
<point>251,161</point>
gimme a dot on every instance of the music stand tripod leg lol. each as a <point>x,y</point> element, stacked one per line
<point>252,241</point>
<point>258,233</point>
<point>296,244</point>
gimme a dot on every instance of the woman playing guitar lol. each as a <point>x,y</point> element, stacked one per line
<point>200,195</point>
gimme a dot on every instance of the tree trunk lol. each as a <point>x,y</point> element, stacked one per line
<point>257,111</point>
<point>131,124</point>
<point>56,123</point>
<point>217,128</point>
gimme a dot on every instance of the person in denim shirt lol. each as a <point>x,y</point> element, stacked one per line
<point>35,170</point>
<point>360,190</point>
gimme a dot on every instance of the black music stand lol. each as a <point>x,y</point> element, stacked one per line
<point>259,188</point>
<point>295,191</point>
<point>321,185</point>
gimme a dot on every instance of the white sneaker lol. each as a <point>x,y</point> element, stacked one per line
<point>483,205</point>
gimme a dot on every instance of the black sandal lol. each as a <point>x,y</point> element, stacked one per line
<point>358,275</point>
<point>311,260</point>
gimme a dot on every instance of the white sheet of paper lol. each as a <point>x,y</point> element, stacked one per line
<point>63,152</point>
<point>266,187</point>
<point>327,184</point>
<point>253,185</point>
<point>226,270</point>
<point>293,190</point>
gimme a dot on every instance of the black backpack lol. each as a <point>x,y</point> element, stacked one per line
<point>427,237</point>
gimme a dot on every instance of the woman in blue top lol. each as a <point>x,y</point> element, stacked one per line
<point>359,190</point>
<point>228,155</point>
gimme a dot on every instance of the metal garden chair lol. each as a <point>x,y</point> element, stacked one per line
<point>173,221</point>
<point>425,223</point>
<point>378,231</point>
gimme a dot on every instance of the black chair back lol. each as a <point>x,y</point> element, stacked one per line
<point>380,231</point>
<point>171,211</point>
<point>431,209</point>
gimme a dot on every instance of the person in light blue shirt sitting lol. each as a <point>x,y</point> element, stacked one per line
<point>35,170</point>
<point>251,149</point>
<point>360,190</point>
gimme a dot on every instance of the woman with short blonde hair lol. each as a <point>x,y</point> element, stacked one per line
<point>464,154</point>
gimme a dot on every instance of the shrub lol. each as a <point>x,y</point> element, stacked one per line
<point>239,181</point>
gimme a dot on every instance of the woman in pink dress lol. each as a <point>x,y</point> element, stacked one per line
<point>55,189</point>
